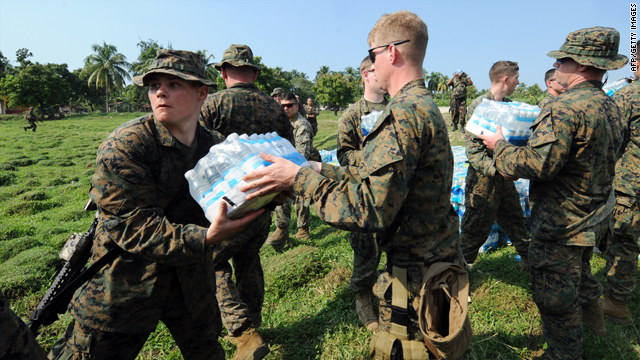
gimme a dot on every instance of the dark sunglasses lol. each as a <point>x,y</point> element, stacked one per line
<point>286,106</point>
<point>562,61</point>
<point>372,56</point>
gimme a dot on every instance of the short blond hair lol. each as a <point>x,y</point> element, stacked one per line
<point>399,26</point>
<point>503,68</point>
<point>365,64</point>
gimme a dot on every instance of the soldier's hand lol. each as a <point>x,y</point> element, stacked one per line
<point>508,177</point>
<point>223,228</point>
<point>490,140</point>
<point>277,177</point>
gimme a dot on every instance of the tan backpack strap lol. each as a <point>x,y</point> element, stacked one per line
<point>432,348</point>
<point>399,301</point>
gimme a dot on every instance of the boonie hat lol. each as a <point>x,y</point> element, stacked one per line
<point>186,65</point>
<point>595,46</point>
<point>277,91</point>
<point>238,55</point>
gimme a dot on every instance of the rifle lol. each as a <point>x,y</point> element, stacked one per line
<point>76,252</point>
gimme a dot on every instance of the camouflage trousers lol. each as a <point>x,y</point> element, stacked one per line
<point>459,111</point>
<point>623,247</point>
<point>197,338</point>
<point>283,213</point>
<point>366,257</point>
<point>561,283</point>
<point>241,302</point>
<point>16,341</point>
<point>501,205</point>
<point>32,125</point>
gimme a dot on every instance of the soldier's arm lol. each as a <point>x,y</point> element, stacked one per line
<point>304,141</point>
<point>125,191</point>
<point>469,82</point>
<point>367,204</point>
<point>544,155</point>
<point>349,142</point>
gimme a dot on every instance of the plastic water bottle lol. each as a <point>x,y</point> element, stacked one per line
<point>291,153</point>
<point>613,87</point>
<point>367,122</point>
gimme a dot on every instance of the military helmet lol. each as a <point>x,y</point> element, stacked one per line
<point>238,55</point>
<point>595,46</point>
<point>186,65</point>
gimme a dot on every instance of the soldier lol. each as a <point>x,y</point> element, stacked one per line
<point>488,195</point>
<point>459,81</point>
<point>312,115</point>
<point>243,109</point>
<point>402,187</point>
<point>31,119</point>
<point>303,111</point>
<point>623,245</point>
<point>553,88</point>
<point>570,158</point>
<point>304,145</point>
<point>366,255</point>
<point>165,270</point>
<point>16,340</point>
<point>276,94</point>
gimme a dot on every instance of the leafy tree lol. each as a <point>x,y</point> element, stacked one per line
<point>472,93</point>
<point>324,70</point>
<point>22,55</point>
<point>333,89</point>
<point>5,65</point>
<point>37,84</point>
<point>148,51</point>
<point>301,85</point>
<point>270,78</point>
<point>81,92</point>
<point>136,96</point>
<point>108,68</point>
<point>209,67</point>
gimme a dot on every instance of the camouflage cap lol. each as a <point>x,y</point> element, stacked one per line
<point>186,65</point>
<point>277,91</point>
<point>238,55</point>
<point>595,46</point>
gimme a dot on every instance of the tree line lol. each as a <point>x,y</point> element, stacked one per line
<point>101,84</point>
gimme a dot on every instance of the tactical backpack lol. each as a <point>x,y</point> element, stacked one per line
<point>442,315</point>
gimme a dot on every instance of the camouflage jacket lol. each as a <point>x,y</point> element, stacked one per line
<point>140,169</point>
<point>311,114</point>
<point>627,179</point>
<point>547,99</point>
<point>570,158</point>
<point>303,135</point>
<point>16,342</point>
<point>243,109</point>
<point>402,185</point>
<point>350,134</point>
<point>460,86</point>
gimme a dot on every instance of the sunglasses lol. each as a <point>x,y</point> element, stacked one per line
<point>562,61</point>
<point>286,106</point>
<point>372,56</point>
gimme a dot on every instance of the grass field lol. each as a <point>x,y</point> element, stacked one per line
<point>309,311</point>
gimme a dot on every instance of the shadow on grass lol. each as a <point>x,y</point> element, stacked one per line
<point>330,142</point>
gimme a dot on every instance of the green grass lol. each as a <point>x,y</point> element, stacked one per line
<point>309,311</point>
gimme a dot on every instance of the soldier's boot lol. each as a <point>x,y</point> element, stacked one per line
<point>365,311</point>
<point>278,237</point>
<point>593,317</point>
<point>250,346</point>
<point>617,311</point>
<point>455,127</point>
<point>303,234</point>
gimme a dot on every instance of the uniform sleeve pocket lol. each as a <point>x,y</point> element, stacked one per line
<point>378,154</point>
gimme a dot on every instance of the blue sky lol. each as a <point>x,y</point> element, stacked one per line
<point>305,35</point>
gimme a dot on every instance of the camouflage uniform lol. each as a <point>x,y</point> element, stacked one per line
<point>571,159</point>
<point>165,272</point>
<point>624,246</point>
<point>366,254</point>
<point>311,114</point>
<point>402,188</point>
<point>243,109</point>
<point>459,104</point>
<point>547,99</point>
<point>16,340</point>
<point>304,144</point>
<point>31,119</point>
<point>489,197</point>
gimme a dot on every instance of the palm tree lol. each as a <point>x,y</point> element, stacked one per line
<point>107,67</point>
<point>324,70</point>
<point>210,71</point>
